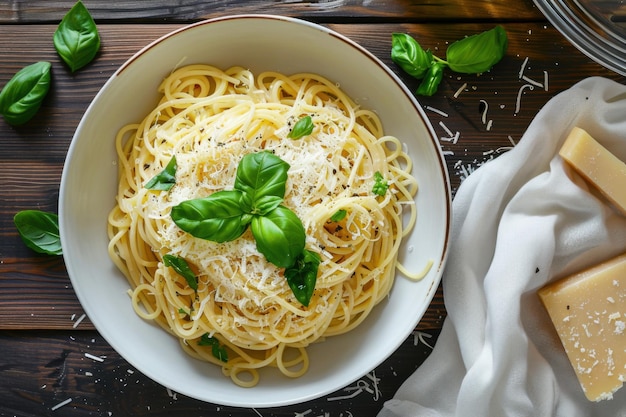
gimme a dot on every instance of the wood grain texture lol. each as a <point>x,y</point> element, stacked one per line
<point>159,11</point>
<point>42,342</point>
<point>35,292</point>
<point>41,369</point>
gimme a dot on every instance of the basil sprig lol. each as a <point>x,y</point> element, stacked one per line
<point>409,55</point>
<point>218,218</point>
<point>183,269</point>
<point>218,350</point>
<point>472,55</point>
<point>76,39</point>
<point>165,179</point>
<point>477,53</point>
<point>261,178</point>
<point>302,276</point>
<point>39,230</point>
<point>279,236</point>
<point>21,97</point>
<point>255,202</point>
<point>303,127</point>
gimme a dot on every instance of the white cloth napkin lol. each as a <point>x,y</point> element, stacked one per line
<point>520,221</point>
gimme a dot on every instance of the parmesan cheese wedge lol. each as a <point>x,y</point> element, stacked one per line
<point>588,310</point>
<point>597,165</point>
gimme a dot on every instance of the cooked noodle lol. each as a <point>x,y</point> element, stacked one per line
<point>209,119</point>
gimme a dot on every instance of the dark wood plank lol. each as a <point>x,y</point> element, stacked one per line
<point>35,291</point>
<point>39,370</point>
<point>39,11</point>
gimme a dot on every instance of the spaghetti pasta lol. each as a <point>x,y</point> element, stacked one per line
<point>208,119</point>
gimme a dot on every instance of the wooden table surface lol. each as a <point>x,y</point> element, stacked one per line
<point>43,336</point>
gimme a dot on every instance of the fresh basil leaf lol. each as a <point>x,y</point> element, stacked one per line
<point>218,217</point>
<point>472,55</point>
<point>302,276</point>
<point>39,230</point>
<point>380,184</point>
<point>339,215</point>
<point>279,235</point>
<point>217,350</point>
<point>303,127</point>
<point>181,266</point>
<point>477,53</point>
<point>22,95</point>
<point>166,179</point>
<point>185,312</point>
<point>76,39</point>
<point>266,204</point>
<point>262,178</point>
<point>430,82</point>
<point>409,55</point>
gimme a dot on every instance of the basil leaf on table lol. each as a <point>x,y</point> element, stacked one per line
<point>22,95</point>
<point>181,267</point>
<point>477,53</point>
<point>409,55</point>
<point>280,236</point>
<point>432,79</point>
<point>218,217</point>
<point>39,230</point>
<point>164,180</point>
<point>472,55</point>
<point>76,39</point>
<point>302,276</point>
<point>303,127</point>
<point>262,178</point>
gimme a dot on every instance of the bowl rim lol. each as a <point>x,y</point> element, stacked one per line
<point>442,169</point>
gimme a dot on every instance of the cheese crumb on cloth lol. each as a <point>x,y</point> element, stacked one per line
<point>521,221</point>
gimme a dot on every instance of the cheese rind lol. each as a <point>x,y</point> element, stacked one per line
<point>597,165</point>
<point>588,310</point>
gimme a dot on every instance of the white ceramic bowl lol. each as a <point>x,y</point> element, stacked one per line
<point>89,181</point>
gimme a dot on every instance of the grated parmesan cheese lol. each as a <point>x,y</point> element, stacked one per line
<point>460,90</point>
<point>94,357</point>
<point>80,319</point>
<point>61,404</point>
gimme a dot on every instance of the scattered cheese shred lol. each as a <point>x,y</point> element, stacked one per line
<point>485,107</point>
<point>518,102</point>
<point>447,130</point>
<point>523,68</point>
<point>94,357</point>
<point>439,112</point>
<point>533,82</point>
<point>460,90</point>
<point>61,404</point>
<point>80,319</point>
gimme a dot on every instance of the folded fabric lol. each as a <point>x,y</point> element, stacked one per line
<point>520,221</point>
